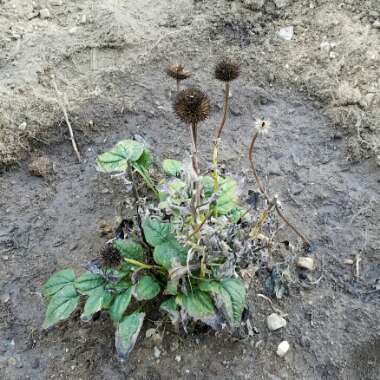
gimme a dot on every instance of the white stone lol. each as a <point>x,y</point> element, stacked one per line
<point>306,263</point>
<point>178,358</point>
<point>281,3</point>
<point>286,33</point>
<point>44,13</point>
<point>254,4</point>
<point>275,322</point>
<point>283,348</point>
<point>157,352</point>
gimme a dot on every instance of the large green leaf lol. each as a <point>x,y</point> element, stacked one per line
<point>197,304</point>
<point>208,185</point>
<point>172,167</point>
<point>61,305</point>
<point>236,290</point>
<point>120,304</point>
<point>170,254</point>
<point>170,307</point>
<point>230,296</point>
<point>118,158</point>
<point>127,333</point>
<point>89,283</point>
<point>156,232</point>
<point>58,281</point>
<point>146,288</point>
<point>129,249</point>
<point>228,199</point>
<point>94,303</point>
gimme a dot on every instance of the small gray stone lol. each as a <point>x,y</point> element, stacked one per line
<point>376,24</point>
<point>286,33</point>
<point>254,4</point>
<point>283,348</point>
<point>44,13</point>
<point>275,322</point>
<point>281,3</point>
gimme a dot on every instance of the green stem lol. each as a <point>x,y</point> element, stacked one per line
<point>141,265</point>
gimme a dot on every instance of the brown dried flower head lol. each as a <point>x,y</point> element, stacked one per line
<point>111,257</point>
<point>227,70</point>
<point>177,72</point>
<point>192,106</point>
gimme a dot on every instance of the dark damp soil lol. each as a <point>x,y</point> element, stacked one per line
<point>111,69</point>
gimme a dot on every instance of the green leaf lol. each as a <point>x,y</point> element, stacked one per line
<point>120,304</point>
<point>58,281</point>
<point>129,249</point>
<point>236,214</point>
<point>145,161</point>
<point>177,186</point>
<point>127,333</point>
<point>94,303</point>
<point>236,290</point>
<point>171,287</point>
<point>230,294</point>
<point>88,283</point>
<point>197,304</point>
<point>120,287</point>
<point>208,185</point>
<point>228,199</point>
<point>172,167</point>
<point>169,254</point>
<point>146,288</point>
<point>170,307</point>
<point>61,305</point>
<point>118,158</point>
<point>156,232</point>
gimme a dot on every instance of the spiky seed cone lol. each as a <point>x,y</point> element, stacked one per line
<point>192,106</point>
<point>178,72</point>
<point>111,257</point>
<point>227,70</point>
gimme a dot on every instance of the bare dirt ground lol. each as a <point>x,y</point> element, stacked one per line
<point>321,91</point>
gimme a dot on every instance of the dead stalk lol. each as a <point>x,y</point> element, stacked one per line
<point>63,108</point>
<point>218,134</point>
<point>264,193</point>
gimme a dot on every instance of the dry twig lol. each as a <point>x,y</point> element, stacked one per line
<point>62,105</point>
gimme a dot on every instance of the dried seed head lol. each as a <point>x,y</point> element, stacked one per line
<point>177,72</point>
<point>227,70</point>
<point>262,126</point>
<point>111,257</point>
<point>192,106</point>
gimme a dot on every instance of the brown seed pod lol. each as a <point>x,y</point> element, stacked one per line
<point>111,257</point>
<point>192,106</point>
<point>177,72</point>
<point>227,70</point>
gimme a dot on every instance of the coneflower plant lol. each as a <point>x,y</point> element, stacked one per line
<point>192,107</point>
<point>185,245</point>
<point>178,73</point>
<point>225,71</point>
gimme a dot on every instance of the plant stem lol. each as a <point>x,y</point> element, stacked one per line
<point>271,202</point>
<point>250,156</point>
<point>195,199</point>
<point>63,108</point>
<point>217,137</point>
<point>282,216</point>
<point>141,265</point>
<point>178,84</point>
<point>224,118</point>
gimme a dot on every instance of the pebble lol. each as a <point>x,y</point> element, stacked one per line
<point>178,358</point>
<point>44,13</point>
<point>56,3</point>
<point>306,263</point>
<point>283,348</point>
<point>281,3</point>
<point>157,352</point>
<point>83,20</point>
<point>376,24</point>
<point>254,4</point>
<point>286,33</point>
<point>275,322</point>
